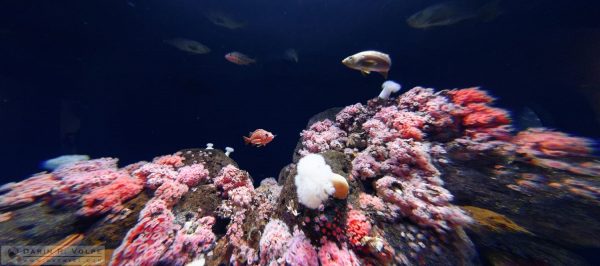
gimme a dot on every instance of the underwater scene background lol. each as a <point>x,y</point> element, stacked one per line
<point>135,80</point>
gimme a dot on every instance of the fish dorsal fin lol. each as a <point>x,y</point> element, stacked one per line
<point>369,63</point>
<point>365,72</point>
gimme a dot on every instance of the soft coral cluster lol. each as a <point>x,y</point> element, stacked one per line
<point>230,177</point>
<point>322,136</point>
<point>157,238</point>
<point>161,238</point>
<point>540,142</point>
<point>425,204</point>
<point>28,190</point>
<point>481,121</point>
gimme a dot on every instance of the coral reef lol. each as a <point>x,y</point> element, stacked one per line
<point>385,187</point>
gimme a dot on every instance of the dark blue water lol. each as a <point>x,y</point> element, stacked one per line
<point>95,77</point>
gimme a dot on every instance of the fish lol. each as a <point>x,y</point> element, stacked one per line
<point>259,137</point>
<point>452,12</point>
<point>239,58</point>
<point>368,61</point>
<point>54,163</point>
<point>190,46</point>
<point>291,55</point>
<point>224,20</point>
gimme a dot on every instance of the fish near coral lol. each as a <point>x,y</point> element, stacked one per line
<point>368,61</point>
<point>239,58</point>
<point>259,137</point>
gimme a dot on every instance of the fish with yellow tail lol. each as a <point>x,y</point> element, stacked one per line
<point>368,61</point>
<point>259,137</point>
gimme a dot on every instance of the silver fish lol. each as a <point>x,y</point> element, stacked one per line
<point>452,12</point>
<point>189,46</point>
<point>368,61</point>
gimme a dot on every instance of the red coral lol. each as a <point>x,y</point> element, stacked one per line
<point>470,95</point>
<point>482,115</point>
<point>109,198</point>
<point>357,226</point>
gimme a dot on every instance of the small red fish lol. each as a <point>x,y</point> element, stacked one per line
<point>259,137</point>
<point>239,58</point>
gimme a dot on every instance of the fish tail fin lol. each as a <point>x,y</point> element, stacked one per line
<point>246,140</point>
<point>490,11</point>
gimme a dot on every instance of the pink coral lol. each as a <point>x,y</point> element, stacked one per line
<point>170,192</point>
<point>331,255</point>
<point>365,165</point>
<point>231,177</point>
<point>146,242</point>
<point>157,239</point>
<point>192,175</point>
<point>424,203</point>
<point>28,190</point>
<point>172,160</point>
<point>273,242</point>
<point>155,174</point>
<point>195,237</point>
<point>367,201</point>
<point>82,178</point>
<point>323,136</point>
<point>351,116</point>
<point>300,251</point>
<point>407,124</point>
<point>241,196</point>
<point>544,142</point>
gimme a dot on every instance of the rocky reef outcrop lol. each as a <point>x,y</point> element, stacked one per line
<point>432,178</point>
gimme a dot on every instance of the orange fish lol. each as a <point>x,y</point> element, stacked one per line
<point>239,58</point>
<point>259,137</point>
